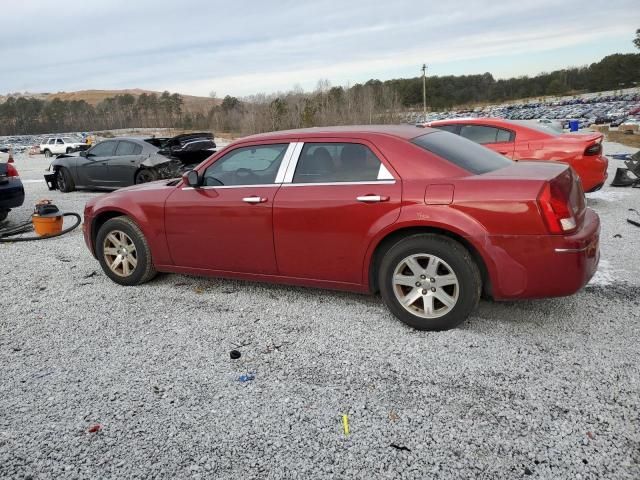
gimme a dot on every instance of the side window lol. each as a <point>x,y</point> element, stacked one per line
<point>338,162</point>
<point>126,148</point>
<point>51,141</point>
<point>447,128</point>
<point>504,136</point>
<point>479,134</point>
<point>103,149</point>
<point>59,141</point>
<point>256,165</point>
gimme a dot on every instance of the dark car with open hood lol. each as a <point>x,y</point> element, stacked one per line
<point>125,161</point>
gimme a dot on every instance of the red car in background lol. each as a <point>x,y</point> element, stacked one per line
<point>527,141</point>
<point>427,218</point>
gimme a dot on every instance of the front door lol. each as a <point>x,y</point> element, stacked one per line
<point>325,214</point>
<point>227,224</point>
<point>94,169</point>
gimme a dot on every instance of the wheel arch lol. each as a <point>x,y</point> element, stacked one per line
<point>99,220</point>
<point>393,237</point>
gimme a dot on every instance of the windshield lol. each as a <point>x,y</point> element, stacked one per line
<point>458,150</point>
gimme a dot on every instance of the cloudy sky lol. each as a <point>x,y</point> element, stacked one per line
<point>243,47</point>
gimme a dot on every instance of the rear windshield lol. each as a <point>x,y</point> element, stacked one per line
<point>464,153</point>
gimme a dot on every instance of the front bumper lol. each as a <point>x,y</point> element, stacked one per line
<point>50,179</point>
<point>536,266</point>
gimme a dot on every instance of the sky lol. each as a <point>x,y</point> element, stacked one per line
<point>241,47</point>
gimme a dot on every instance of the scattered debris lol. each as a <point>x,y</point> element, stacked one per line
<point>246,378</point>
<point>527,471</point>
<point>234,354</point>
<point>633,222</point>
<point>617,235</point>
<point>198,290</point>
<point>591,435</point>
<point>400,447</point>
<point>92,274</point>
<point>95,428</point>
<point>393,416</point>
<point>345,424</point>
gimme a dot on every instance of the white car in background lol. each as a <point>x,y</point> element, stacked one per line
<point>59,145</point>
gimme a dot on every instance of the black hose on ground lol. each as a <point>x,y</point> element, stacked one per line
<point>6,235</point>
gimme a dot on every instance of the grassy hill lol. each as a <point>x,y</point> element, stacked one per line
<point>192,104</point>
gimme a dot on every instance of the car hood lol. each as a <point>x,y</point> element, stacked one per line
<point>156,185</point>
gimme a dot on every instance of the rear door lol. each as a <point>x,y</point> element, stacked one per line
<point>500,140</point>
<point>335,194</point>
<point>123,166</point>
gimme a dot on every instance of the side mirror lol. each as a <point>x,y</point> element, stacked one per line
<point>191,179</point>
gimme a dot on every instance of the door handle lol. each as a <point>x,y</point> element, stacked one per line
<point>254,199</point>
<point>372,198</point>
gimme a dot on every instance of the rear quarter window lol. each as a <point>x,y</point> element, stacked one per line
<point>462,152</point>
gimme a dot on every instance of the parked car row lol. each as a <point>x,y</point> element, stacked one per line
<point>124,161</point>
<point>587,110</point>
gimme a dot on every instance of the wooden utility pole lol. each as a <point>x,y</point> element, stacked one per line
<point>424,88</point>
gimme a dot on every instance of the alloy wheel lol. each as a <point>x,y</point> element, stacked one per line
<point>120,253</point>
<point>425,285</point>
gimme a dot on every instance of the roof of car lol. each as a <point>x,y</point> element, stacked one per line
<point>399,131</point>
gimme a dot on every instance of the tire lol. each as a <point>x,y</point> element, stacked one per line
<point>145,175</point>
<point>457,282</point>
<point>127,234</point>
<point>47,154</point>
<point>64,180</point>
<point>69,150</point>
<point>3,215</point>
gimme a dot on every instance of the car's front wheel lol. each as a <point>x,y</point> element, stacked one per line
<point>64,180</point>
<point>3,215</point>
<point>124,253</point>
<point>47,154</point>
<point>429,282</point>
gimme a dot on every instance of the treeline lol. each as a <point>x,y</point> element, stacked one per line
<point>25,115</point>
<point>372,102</point>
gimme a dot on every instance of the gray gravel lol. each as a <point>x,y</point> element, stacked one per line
<point>547,389</point>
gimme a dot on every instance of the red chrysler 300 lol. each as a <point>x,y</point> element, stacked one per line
<point>534,141</point>
<point>427,218</point>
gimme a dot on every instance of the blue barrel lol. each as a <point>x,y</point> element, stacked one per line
<point>574,125</point>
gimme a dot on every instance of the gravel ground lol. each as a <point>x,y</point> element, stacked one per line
<point>546,389</point>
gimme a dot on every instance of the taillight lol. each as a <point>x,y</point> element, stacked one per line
<point>595,149</point>
<point>11,171</point>
<point>556,209</point>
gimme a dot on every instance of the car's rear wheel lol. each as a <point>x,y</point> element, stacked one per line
<point>64,180</point>
<point>124,253</point>
<point>47,154</point>
<point>145,175</point>
<point>429,282</point>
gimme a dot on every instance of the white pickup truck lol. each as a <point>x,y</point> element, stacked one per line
<point>60,145</point>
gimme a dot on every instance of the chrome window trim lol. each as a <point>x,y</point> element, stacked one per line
<point>384,173</point>
<point>222,187</point>
<point>328,184</point>
<point>293,163</point>
<point>282,169</point>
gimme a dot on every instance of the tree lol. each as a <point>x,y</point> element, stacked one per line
<point>636,41</point>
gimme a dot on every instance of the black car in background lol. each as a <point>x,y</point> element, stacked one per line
<point>125,161</point>
<point>11,189</point>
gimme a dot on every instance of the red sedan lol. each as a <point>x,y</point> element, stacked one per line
<point>527,141</point>
<point>427,218</point>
